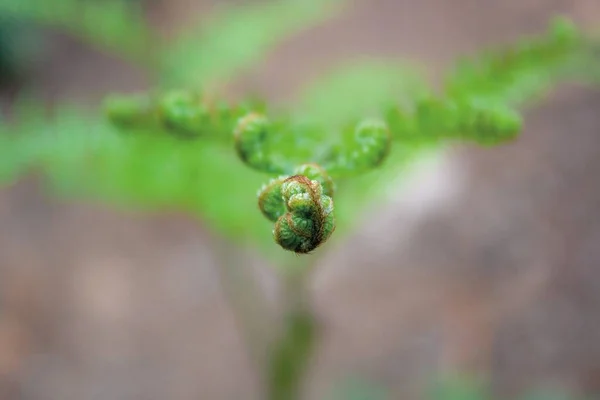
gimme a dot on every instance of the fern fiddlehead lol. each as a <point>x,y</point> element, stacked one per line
<point>183,113</point>
<point>252,136</point>
<point>301,204</point>
<point>363,147</point>
<point>303,214</point>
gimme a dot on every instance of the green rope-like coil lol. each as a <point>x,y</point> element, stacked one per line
<point>183,113</point>
<point>302,212</point>
<point>362,148</point>
<point>254,135</point>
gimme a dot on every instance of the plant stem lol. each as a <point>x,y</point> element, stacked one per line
<point>282,359</point>
<point>254,318</point>
<point>290,353</point>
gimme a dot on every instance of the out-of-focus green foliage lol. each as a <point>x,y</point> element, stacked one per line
<point>115,25</point>
<point>362,88</point>
<point>460,389</point>
<point>85,156</point>
<point>238,36</point>
<point>213,49</point>
<point>359,389</point>
<point>455,388</point>
<point>523,72</point>
<point>463,388</point>
<point>186,114</point>
<point>19,43</point>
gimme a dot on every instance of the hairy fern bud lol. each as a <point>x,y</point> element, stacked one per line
<point>302,213</point>
<point>252,143</point>
<point>183,112</point>
<point>363,148</point>
<point>270,199</point>
<point>373,144</point>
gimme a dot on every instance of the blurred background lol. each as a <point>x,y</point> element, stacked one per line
<point>487,262</point>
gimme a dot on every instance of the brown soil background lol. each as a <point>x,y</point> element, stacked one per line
<point>488,263</point>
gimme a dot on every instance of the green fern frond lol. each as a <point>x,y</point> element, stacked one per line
<point>178,148</point>
<point>522,72</point>
<point>360,88</point>
<point>114,25</point>
<point>235,37</point>
<point>83,156</point>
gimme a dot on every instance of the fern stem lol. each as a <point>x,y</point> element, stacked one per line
<point>290,354</point>
<point>249,305</point>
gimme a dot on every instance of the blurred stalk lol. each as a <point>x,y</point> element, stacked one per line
<point>290,353</point>
<point>254,318</point>
<point>280,352</point>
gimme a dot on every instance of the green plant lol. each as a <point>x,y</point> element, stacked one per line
<point>324,157</point>
<point>478,103</point>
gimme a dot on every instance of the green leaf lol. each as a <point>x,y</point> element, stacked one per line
<point>83,156</point>
<point>114,25</point>
<point>522,72</point>
<point>235,37</point>
<point>360,88</point>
